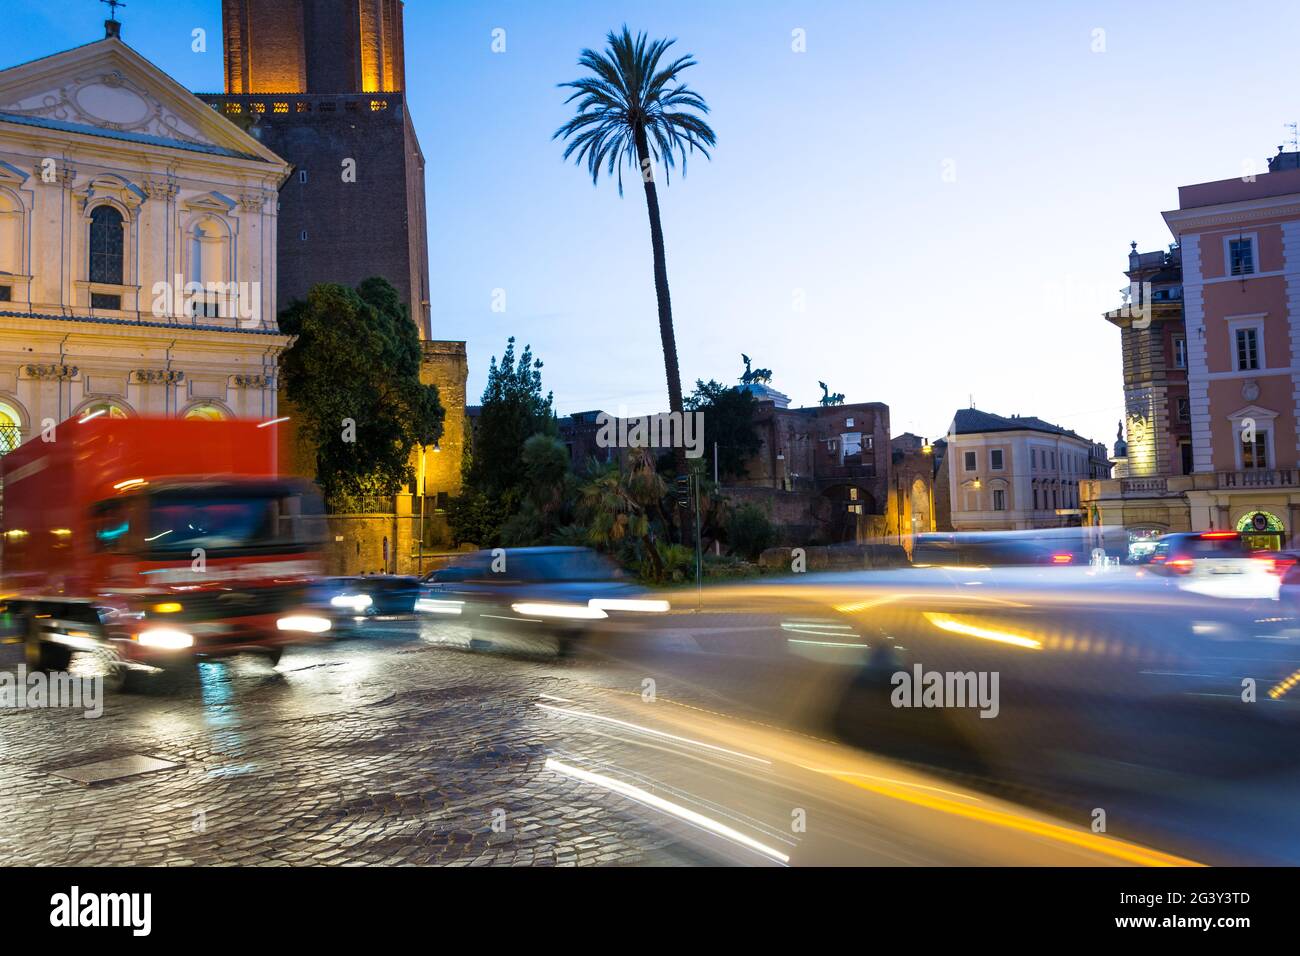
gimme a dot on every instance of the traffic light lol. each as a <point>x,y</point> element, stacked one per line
<point>683,491</point>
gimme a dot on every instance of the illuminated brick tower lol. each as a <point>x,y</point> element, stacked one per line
<point>321,83</point>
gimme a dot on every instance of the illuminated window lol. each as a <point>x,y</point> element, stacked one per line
<point>11,431</point>
<point>103,409</point>
<point>1254,454</point>
<point>205,412</point>
<point>280,108</point>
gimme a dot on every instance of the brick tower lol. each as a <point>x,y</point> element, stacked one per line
<point>321,83</point>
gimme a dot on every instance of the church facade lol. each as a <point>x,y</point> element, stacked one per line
<point>138,235</point>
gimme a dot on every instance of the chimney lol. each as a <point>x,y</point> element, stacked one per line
<point>112,30</point>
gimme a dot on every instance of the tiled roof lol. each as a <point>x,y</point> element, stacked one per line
<point>144,138</point>
<point>971,421</point>
<point>105,320</point>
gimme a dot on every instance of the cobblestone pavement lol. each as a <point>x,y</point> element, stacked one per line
<point>396,748</point>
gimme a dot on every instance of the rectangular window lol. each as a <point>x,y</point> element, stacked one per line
<point>102,300</point>
<point>6,293</point>
<point>209,307</point>
<point>1184,410</point>
<point>302,175</point>
<point>1180,352</point>
<point>995,459</point>
<point>852,454</point>
<point>1185,450</point>
<point>999,500</point>
<point>1241,257</point>
<point>1255,454</point>
<point>1247,349</point>
<point>970,460</point>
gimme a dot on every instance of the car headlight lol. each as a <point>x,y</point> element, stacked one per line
<point>168,638</point>
<point>573,612</point>
<point>357,602</point>
<point>309,623</point>
<point>635,605</point>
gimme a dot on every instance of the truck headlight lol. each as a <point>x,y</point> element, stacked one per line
<point>167,638</point>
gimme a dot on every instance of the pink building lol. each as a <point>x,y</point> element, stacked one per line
<point>1237,338</point>
<point>1240,242</point>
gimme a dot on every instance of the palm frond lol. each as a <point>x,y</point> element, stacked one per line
<point>628,98</point>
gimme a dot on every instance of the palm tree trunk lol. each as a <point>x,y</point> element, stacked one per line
<point>661,287</point>
<point>666,335</point>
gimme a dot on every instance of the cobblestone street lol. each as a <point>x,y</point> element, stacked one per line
<point>398,748</point>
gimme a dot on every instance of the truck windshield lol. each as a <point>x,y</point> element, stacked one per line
<point>226,523</point>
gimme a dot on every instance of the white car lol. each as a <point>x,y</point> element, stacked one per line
<point>1215,563</point>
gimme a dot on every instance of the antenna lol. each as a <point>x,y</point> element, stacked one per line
<point>1295,135</point>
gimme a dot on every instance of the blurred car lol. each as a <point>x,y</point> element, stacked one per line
<point>351,599</point>
<point>560,593</point>
<point>1045,547</point>
<point>1215,563</point>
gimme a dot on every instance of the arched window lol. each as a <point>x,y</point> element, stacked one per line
<point>205,412</point>
<point>11,428</point>
<point>106,245</point>
<point>102,409</point>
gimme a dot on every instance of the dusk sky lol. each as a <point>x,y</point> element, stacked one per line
<point>828,181</point>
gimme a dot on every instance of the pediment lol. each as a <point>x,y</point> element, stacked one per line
<point>108,88</point>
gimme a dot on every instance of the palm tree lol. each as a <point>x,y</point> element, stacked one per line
<point>631,112</point>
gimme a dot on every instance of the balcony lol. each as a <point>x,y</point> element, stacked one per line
<point>1144,486</point>
<point>1260,478</point>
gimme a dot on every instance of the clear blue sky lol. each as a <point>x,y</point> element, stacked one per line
<point>828,178</point>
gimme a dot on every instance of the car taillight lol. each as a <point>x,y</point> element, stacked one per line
<point>1062,558</point>
<point>1180,565</point>
<point>1218,534</point>
<point>1278,566</point>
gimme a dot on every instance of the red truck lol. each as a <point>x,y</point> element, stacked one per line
<point>147,543</point>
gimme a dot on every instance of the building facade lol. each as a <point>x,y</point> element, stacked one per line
<point>1240,250</point>
<point>822,471</point>
<point>1017,472</point>
<point>137,247</point>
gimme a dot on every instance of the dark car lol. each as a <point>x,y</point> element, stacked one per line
<point>557,593</point>
<point>354,599</point>
<point>1037,547</point>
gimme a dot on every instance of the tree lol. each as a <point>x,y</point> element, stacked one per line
<point>499,477</point>
<point>617,503</point>
<point>631,112</point>
<point>729,421</point>
<point>514,410</point>
<point>750,531</point>
<point>353,373</point>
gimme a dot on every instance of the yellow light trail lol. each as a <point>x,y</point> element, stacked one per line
<point>945,623</point>
<point>1107,846</point>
